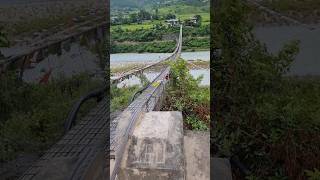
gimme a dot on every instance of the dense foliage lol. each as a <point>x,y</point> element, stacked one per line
<point>186,95</point>
<point>156,33</point>
<point>152,40</point>
<point>152,47</point>
<point>270,122</point>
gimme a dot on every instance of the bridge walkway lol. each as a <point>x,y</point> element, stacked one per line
<point>73,156</point>
<point>150,99</point>
<point>82,151</point>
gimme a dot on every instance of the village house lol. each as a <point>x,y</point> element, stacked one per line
<point>173,22</point>
<point>193,21</point>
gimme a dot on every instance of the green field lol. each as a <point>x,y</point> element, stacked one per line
<point>182,12</point>
<point>185,11</point>
<point>135,26</point>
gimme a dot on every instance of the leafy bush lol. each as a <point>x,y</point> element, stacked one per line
<point>185,95</point>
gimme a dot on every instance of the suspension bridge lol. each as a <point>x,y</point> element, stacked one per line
<point>86,151</point>
<point>149,100</point>
<point>96,146</point>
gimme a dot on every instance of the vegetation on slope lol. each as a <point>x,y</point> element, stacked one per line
<point>186,95</point>
<point>153,40</point>
<point>145,29</point>
<point>270,122</point>
<point>121,97</point>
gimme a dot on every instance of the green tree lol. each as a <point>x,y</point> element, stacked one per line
<point>170,16</point>
<point>144,15</point>
<point>199,19</point>
<point>133,17</point>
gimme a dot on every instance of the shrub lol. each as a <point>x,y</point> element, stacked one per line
<point>185,95</point>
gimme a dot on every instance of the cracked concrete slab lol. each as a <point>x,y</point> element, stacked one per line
<point>155,150</point>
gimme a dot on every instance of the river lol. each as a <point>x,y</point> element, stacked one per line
<point>125,58</point>
<point>147,57</point>
<point>307,61</point>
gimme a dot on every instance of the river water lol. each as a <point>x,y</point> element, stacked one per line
<point>79,59</point>
<point>307,61</point>
<point>144,57</point>
<point>127,58</point>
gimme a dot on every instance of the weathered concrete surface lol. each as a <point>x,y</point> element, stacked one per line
<point>155,150</point>
<point>220,169</point>
<point>197,155</point>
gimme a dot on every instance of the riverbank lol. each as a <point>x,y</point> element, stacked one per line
<point>124,67</point>
<point>189,44</point>
<point>125,61</point>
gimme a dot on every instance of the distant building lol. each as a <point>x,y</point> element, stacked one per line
<point>114,19</point>
<point>173,22</point>
<point>192,21</point>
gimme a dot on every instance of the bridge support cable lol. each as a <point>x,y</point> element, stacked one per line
<point>148,100</point>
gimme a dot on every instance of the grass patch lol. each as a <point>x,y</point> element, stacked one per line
<point>121,97</point>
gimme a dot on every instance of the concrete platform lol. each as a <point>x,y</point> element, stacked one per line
<point>155,150</point>
<point>197,155</point>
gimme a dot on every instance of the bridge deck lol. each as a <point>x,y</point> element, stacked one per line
<point>70,158</point>
<point>148,100</point>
